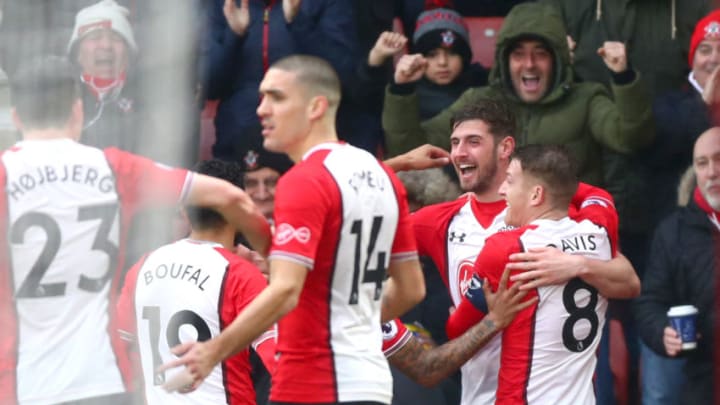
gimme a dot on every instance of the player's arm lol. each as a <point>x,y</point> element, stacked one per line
<point>614,278</point>
<point>280,297</point>
<point>423,157</point>
<point>404,289</point>
<point>429,366</point>
<point>234,205</point>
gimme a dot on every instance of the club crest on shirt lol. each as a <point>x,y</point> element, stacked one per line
<point>285,232</point>
<point>465,272</point>
<point>389,330</point>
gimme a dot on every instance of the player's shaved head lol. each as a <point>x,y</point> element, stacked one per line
<point>314,74</point>
<point>553,166</point>
<point>43,92</point>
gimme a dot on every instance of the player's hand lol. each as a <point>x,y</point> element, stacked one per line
<point>388,44</point>
<point>410,68</point>
<point>614,56</point>
<point>423,157</point>
<point>505,303</point>
<point>290,9</point>
<point>711,92</point>
<point>476,293</point>
<point>671,341</point>
<point>253,257</point>
<point>238,18</point>
<point>199,359</point>
<point>545,266</point>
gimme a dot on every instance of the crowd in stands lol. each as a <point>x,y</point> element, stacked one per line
<point>631,88</point>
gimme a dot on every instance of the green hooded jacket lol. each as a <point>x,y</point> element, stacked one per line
<point>581,116</point>
<point>657,36</point>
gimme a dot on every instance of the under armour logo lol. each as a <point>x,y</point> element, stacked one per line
<point>460,238</point>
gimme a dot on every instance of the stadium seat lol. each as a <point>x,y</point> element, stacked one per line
<point>483,34</point>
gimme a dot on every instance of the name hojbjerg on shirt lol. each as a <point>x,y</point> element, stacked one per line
<point>80,174</point>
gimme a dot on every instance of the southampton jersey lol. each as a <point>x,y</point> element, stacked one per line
<point>64,212</point>
<point>548,351</point>
<point>344,216</point>
<point>189,291</point>
<point>453,234</point>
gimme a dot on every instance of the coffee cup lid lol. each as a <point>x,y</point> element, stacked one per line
<point>682,310</point>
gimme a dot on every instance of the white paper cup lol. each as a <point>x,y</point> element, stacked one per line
<point>683,319</point>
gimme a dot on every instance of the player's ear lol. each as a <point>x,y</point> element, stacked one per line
<point>317,107</point>
<point>537,195</point>
<point>506,146</point>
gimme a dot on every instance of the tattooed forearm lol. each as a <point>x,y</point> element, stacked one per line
<point>430,366</point>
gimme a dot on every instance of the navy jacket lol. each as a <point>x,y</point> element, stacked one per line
<point>234,66</point>
<point>680,271</point>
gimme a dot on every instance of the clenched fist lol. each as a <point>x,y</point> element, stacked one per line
<point>410,68</point>
<point>388,44</point>
<point>614,56</point>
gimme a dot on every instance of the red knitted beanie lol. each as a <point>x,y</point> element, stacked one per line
<point>707,27</point>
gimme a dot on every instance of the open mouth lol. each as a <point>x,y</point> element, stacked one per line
<point>466,169</point>
<point>531,83</point>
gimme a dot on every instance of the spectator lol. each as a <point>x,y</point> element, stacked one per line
<point>261,170</point>
<point>104,47</point>
<point>32,28</point>
<point>442,38</point>
<point>681,117</point>
<point>76,202</point>
<point>681,271</point>
<point>329,340</point>
<point>533,72</point>
<point>548,350</point>
<point>245,37</point>
<point>214,287</point>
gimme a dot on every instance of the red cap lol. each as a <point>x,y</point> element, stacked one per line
<point>708,27</point>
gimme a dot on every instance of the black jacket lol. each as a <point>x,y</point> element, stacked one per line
<point>681,271</point>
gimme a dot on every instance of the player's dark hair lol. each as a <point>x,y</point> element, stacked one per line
<point>553,165</point>
<point>498,115</point>
<point>202,218</point>
<point>315,74</point>
<point>43,92</point>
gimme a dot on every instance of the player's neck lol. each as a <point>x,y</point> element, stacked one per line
<point>490,194</point>
<point>550,213</point>
<point>46,134</point>
<point>224,236</point>
<point>321,132</point>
